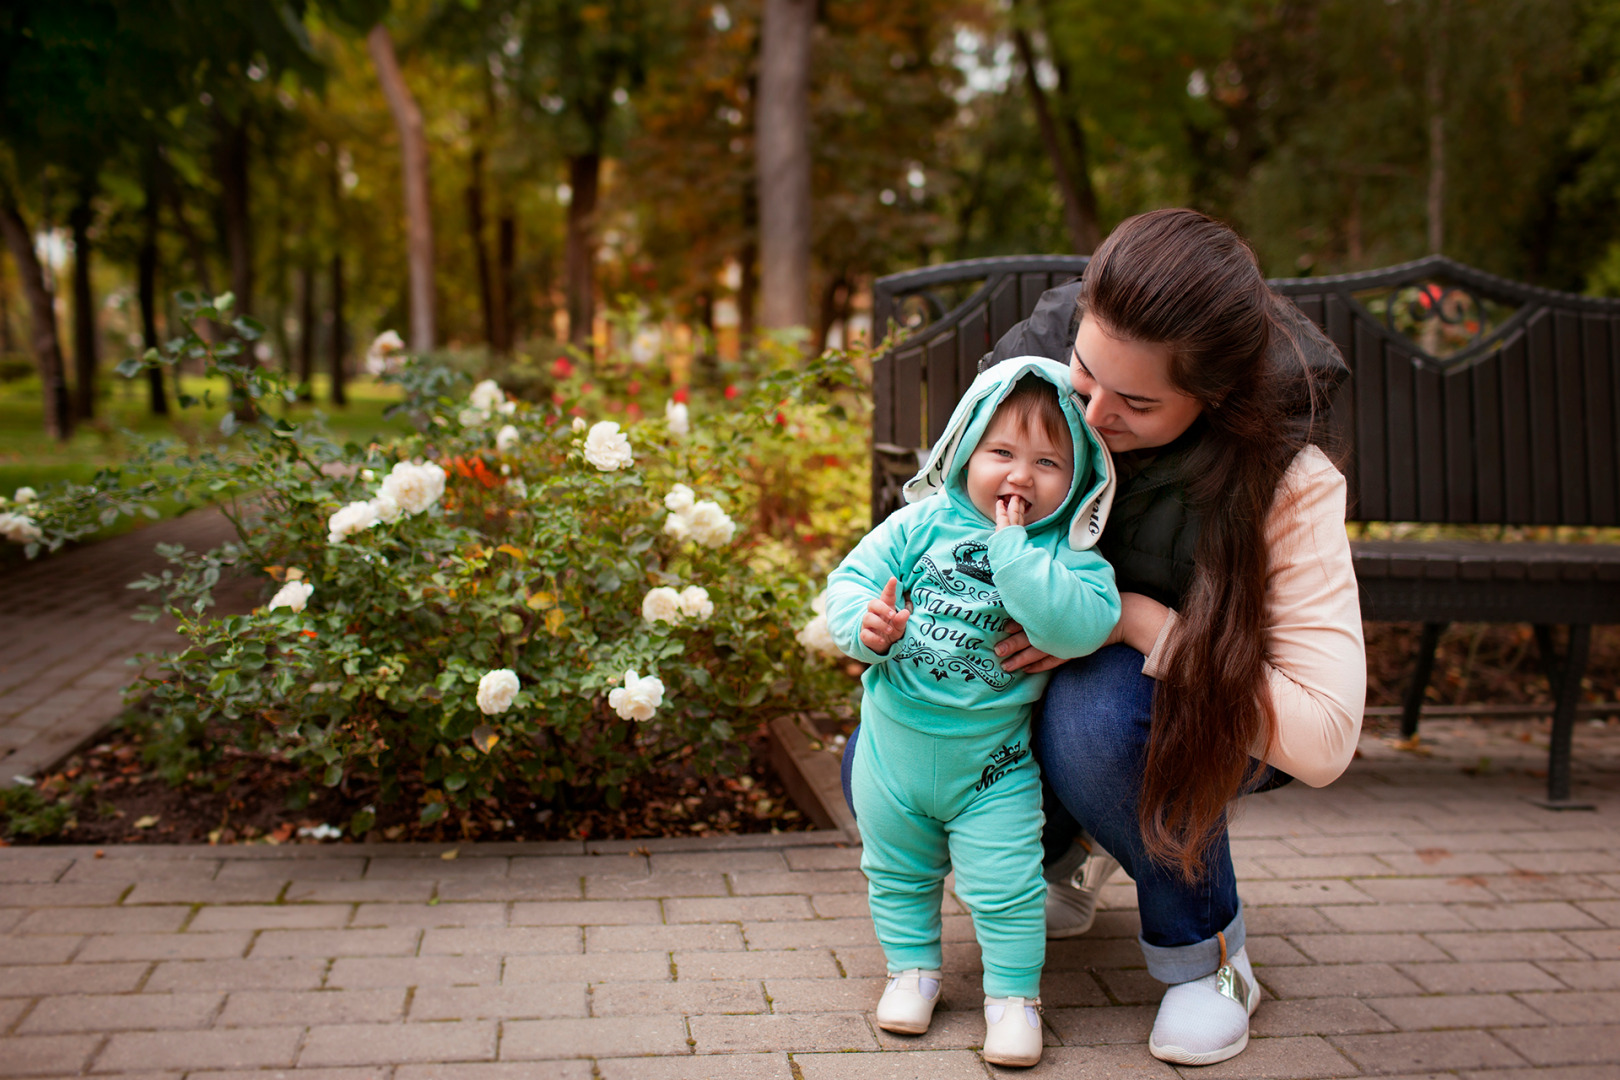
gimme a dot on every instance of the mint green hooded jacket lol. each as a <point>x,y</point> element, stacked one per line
<point>963,580</point>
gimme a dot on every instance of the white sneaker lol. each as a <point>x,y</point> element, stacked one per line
<point>908,1002</point>
<point>1012,1030</point>
<point>1071,897</point>
<point>1207,1020</point>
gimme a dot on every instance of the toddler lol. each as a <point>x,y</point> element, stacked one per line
<point>1000,528</point>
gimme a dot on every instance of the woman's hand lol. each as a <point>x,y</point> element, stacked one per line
<point>1017,654</point>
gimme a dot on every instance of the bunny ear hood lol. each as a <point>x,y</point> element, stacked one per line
<point>1091,493</point>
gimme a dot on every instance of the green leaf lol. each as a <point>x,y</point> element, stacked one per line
<point>227,424</point>
<point>608,581</point>
<point>432,812</point>
<point>130,368</point>
<point>334,776</point>
<point>455,782</point>
<point>362,822</point>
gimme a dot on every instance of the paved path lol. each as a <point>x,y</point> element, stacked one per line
<point>66,635</point>
<point>1414,920</point>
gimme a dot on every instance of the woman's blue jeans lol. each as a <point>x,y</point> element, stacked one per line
<point>1091,739</point>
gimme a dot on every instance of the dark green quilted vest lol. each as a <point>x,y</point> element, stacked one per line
<point>1152,534</point>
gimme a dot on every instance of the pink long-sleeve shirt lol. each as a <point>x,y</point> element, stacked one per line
<point>1316,665</point>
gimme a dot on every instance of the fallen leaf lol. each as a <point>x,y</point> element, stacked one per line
<point>146,822</point>
<point>452,853</point>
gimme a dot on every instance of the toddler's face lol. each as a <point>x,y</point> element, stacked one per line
<point>1013,461</point>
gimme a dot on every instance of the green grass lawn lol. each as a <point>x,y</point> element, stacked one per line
<point>28,458</point>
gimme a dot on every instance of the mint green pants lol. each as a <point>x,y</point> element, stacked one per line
<point>925,803</point>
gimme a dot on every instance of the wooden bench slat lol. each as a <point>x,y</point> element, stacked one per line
<point>1400,435</point>
<point>1485,378</point>
<point>1570,377</point>
<point>942,389</point>
<point>1429,442</point>
<point>1599,413</point>
<point>1367,384</point>
<point>1545,488</point>
<point>1516,452</point>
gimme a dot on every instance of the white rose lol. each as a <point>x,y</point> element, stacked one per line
<point>680,499</point>
<point>661,605</point>
<point>496,690</point>
<point>414,487</point>
<point>817,639</point>
<point>25,495</point>
<point>383,356</point>
<point>678,526</point>
<point>470,417</point>
<point>506,408</point>
<point>579,423</point>
<point>367,475</point>
<point>709,524</point>
<point>487,397</point>
<point>293,595</point>
<point>506,438</point>
<point>19,528</point>
<point>387,509</point>
<point>607,448</point>
<point>695,602</point>
<point>678,418</point>
<point>350,520</point>
<point>639,698</point>
<point>520,490</point>
<point>645,345</point>
<point>819,604</point>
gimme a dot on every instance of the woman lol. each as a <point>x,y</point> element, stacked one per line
<point>1238,661</point>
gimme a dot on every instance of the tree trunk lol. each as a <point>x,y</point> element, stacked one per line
<point>85,358</point>
<point>475,231</point>
<point>58,408</point>
<point>782,160</point>
<point>7,344</point>
<point>747,290</point>
<point>306,327</point>
<point>418,208</point>
<point>1082,236</point>
<point>1434,92</point>
<point>340,333</point>
<point>231,167</point>
<point>505,283</point>
<point>146,265</point>
<point>584,170</point>
<point>834,299</point>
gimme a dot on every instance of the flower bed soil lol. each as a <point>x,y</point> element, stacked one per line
<point>115,798</point>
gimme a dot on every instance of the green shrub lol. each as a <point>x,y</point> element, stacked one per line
<point>505,546</point>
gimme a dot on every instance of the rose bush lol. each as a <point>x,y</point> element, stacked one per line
<point>509,603</point>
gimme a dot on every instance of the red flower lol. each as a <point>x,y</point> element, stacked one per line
<point>680,395</point>
<point>634,387</point>
<point>780,418</point>
<point>557,397</point>
<point>633,410</point>
<point>586,388</point>
<point>561,368</point>
<point>306,633</point>
<point>731,392</point>
<point>611,406</point>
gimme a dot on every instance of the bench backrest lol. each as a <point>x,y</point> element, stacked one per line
<point>1472,399</point>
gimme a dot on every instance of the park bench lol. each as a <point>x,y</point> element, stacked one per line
<point>1474,401</point>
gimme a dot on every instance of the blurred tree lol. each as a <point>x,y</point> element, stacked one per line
<point>782,160</point>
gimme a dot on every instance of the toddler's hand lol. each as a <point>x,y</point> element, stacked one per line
<point>1010,511</point>
<point>883,624</point>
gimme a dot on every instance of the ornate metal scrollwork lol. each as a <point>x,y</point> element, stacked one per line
<point>1440,318</point>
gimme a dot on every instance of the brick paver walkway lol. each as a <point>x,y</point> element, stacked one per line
<point>1414,919</point>
<point>66,635</point>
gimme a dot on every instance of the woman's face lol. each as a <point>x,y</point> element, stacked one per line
<point>1126,384</point>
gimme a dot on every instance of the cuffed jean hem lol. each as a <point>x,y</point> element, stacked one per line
<point>1183,963</point>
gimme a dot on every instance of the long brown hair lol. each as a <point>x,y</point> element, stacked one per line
<point>1183,280</point>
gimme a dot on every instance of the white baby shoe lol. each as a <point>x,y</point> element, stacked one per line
<point>908,1002</point>
<point>1012,1030</point>
<point>1071,892</point>
<point>1207,1020</point>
